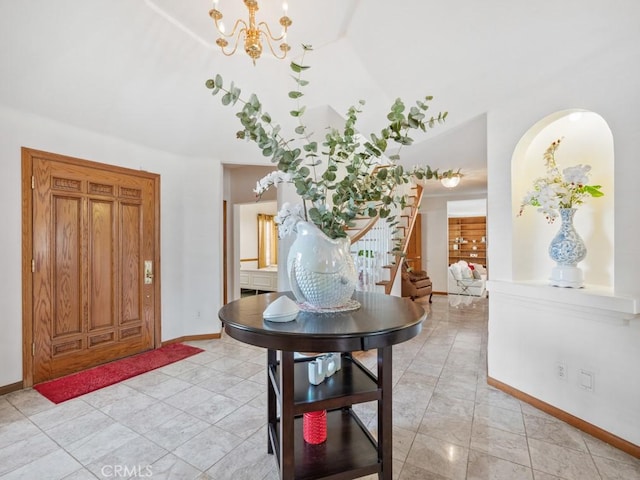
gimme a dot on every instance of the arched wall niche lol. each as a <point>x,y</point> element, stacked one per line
<point>586,139</point>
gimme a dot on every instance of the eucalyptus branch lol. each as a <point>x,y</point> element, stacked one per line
<point>366,188</point>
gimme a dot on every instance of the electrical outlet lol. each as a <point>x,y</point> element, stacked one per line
<point>561,371</point>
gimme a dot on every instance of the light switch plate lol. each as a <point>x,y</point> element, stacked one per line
<point>585,378</point>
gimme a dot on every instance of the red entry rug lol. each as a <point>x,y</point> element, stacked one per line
<point>76,384</point>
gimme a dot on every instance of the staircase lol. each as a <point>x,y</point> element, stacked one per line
<point>379,248</point>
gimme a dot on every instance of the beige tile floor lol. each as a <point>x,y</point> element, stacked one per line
<point>204,418</point>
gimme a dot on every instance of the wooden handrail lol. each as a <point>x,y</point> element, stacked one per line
<point>415,206</point>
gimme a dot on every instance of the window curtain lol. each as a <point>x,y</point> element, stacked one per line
<point>267,241</point>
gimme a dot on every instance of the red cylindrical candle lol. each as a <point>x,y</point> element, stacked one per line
<point>314,426</point>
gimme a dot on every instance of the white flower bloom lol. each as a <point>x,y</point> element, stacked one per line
<point>578,175</point>
<point>287,218</point>
<point>272,179</point>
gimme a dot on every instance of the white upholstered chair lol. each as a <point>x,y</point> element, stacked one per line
<point>463,282</point>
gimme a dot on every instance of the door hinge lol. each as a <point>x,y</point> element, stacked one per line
<point>33,182</point>
<point>33,266</point>
<point>33,349</point>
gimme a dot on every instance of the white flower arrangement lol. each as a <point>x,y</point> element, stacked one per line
<point>559,190</point>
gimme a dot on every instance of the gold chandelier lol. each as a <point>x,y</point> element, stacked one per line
<point>252,33</point>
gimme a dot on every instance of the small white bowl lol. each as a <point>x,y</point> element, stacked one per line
<point>283,309</point>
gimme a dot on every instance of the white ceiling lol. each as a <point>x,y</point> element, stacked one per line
<point>136,69</point>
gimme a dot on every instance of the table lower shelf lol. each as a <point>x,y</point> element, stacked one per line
<point>352,384</point>
<point>349,451</point>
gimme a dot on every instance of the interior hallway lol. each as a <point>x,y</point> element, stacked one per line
<point>204,418</point>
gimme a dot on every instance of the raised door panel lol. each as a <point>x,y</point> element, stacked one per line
<point>66,239</point>
<point>102,269</point>
<point>132,278</point>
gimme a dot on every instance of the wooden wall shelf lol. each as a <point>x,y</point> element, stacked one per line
<point>468,240</point>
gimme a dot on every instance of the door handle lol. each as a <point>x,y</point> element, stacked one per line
<point>148,272</point>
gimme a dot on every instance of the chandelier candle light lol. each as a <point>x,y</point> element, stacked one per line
<point>558,194</point>
<point>252,33</point>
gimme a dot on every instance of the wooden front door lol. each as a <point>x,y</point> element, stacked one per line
<point>94,263</point>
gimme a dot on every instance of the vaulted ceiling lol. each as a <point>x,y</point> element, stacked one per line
<point>136,69</point>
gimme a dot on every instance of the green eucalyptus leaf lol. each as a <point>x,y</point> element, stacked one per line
<point>311,147</point>
<point>253,101</point>
<point>594,190</point>
<point>300,81</point>
<point>314,214</point>
<point>329,176</point>
<point>298,68</point>
<point>297,113</point>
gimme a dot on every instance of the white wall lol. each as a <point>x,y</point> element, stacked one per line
<point>467,208</point>
<point>526,336</point>
<point>435,232</point>
<point>191,196</point>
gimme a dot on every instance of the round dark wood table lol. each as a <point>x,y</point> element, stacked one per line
<point>350,451</point>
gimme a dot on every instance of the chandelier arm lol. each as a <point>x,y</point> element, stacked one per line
<point>235,27</point>
<point>235,46</point>
<point>267,32</point>
<point>273,52</point>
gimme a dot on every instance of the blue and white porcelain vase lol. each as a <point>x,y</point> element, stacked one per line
<point>321,270</point>
<point>567,249</point>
